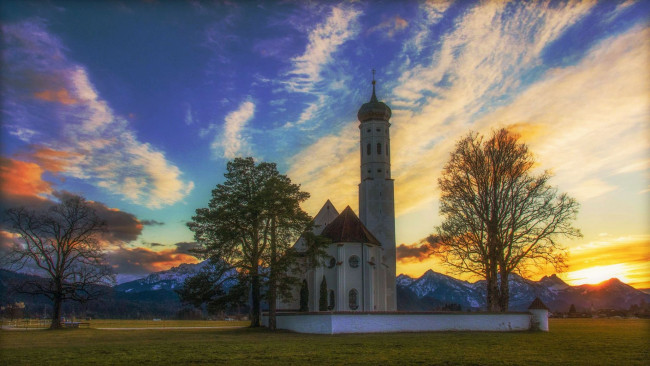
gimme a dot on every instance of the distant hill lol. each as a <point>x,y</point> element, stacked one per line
<point>433,290</point>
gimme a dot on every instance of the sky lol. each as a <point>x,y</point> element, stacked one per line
<point>139,105</point>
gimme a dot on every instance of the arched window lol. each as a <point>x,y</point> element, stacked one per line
<point>353,299</point>
<point>378,149</point>
<point>368,149</point>
<point>332,302</point>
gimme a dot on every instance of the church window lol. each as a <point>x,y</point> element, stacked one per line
<point>378,170</point>
<point>368,130</point>
<point>353,299</point>
<point>354,261</point>
<point>378,149</point>
<point>332,302</point>
<point>332,263</point>
<point>378,130</point>
<point>368,149</point>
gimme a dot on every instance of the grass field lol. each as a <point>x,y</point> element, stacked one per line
<point>570,342</point>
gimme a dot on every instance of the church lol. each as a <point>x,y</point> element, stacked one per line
<point>359,268</point>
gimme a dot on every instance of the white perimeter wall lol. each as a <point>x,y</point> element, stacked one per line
<point>378,323</point>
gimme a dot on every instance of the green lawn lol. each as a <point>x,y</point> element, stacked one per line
<point>570,342</point>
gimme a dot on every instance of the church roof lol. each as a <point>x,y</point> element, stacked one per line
<point>348,228</point>
<point>324,217</point>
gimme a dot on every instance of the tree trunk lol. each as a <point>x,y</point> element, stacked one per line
<point>255,300</point>
<point>56,311</point>
<point>491,275</point>
<point>272,278</point>
<point>504,292</point>
<point>492,289</point>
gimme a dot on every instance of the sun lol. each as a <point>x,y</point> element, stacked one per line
<point>598,274</point>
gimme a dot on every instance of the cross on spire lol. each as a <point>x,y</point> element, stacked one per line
<point>374,97</point>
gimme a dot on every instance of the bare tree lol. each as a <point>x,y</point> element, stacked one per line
<point>61,242</point>
<point>499,217</point>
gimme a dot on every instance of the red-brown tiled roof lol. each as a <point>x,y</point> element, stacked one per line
<point>348,228</point>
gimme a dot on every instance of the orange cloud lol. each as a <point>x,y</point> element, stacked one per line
<point>60,96</point>
<point>390,26</point>
<point>19,178</point>
<point>51,160</point>
<point>527,130</point>
<point>144,260</point>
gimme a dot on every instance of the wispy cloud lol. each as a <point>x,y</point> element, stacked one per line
<point>232,141</point>
<point>48,93</point>
<point>475,69</point>
<point>324,40</point>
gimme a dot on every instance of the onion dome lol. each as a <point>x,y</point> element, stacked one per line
<point>374,109</point>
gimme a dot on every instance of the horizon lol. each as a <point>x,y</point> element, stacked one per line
<point>138,106</point>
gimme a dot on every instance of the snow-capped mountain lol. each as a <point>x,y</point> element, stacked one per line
<point>170,279</point>
<point>434,290</point>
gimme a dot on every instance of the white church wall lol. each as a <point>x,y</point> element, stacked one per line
<point>336,323</point>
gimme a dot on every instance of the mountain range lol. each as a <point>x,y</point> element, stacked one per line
<point>432,291</point>
<point>154,294</point>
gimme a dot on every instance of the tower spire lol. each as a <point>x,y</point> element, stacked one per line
<point>374,96</point>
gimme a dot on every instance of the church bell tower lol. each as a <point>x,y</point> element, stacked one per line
<point>376,192</point>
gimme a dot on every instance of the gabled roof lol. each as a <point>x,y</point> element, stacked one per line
<point>348,228</point>
<point>537,304</point>
<point>324,217</point>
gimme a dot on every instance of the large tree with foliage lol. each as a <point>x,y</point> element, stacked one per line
<point>62,242</point>
<point>250,224</point>
<point>499,216</point>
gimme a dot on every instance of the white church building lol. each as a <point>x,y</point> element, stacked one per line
<point>360,267</point>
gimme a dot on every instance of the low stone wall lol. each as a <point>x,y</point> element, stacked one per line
<point>379,322</point>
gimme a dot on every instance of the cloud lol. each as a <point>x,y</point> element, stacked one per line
<point>60,96</point>
<point>324,169</point>
<point>52,160</point>
<point>142,261</point>
<point>418,252</point>
<point>152,223</point>
<point>473,80</point>
<point>581,121</point>
<point>51,103</point>
<point>22,179</point>
<point>232,141</point>
<point>324,39</point>
<point>390,26</point>
<point>22,186</point>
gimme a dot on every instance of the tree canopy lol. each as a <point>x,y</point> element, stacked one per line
<point>250,223</point>
<point>498,215</point>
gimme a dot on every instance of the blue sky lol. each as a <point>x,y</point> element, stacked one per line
<point>138,105</point>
